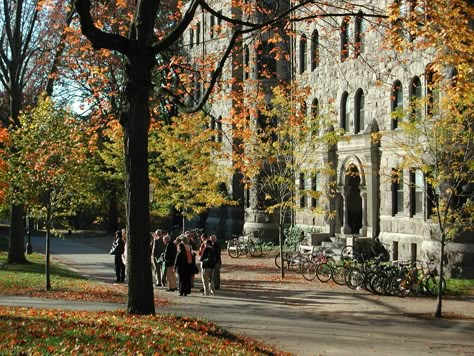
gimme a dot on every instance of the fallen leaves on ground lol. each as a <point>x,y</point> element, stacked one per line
<point>29,280</point>
<point>40,331</point>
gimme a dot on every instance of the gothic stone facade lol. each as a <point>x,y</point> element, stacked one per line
<point>361,84</point>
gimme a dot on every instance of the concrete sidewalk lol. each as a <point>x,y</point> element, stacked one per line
<point>305,319</point>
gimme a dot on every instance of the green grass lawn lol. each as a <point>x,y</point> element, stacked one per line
<point>29,279</point>
<point>26,331</point>
<point>460,287</point>
<point>29,331</point>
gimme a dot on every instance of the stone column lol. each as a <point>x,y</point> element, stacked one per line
<point>373,185</point>
<point>346,229</point>
<point>363,195</point>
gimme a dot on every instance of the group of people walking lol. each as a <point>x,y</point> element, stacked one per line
<point>182,257</point>
<point>185,257</point>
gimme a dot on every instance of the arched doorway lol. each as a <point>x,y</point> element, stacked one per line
<point>353,200</point>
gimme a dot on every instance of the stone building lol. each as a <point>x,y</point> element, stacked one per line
<point>361,84</point>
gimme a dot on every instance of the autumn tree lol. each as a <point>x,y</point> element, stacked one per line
<point>142,49</point>
<point>289,142</point>
<point>436,141</point>
<point>29,38</point>
<point>186,168</point>
<point>49,164</point>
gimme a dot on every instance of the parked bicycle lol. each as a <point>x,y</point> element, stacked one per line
<point>291,260</point>
<point>418,278</point>
<point>309,267</point>
<point>244,246</point>
<point>304,263</point>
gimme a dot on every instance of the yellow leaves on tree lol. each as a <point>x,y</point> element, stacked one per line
<point>185,172</point>
<point>48,162</point>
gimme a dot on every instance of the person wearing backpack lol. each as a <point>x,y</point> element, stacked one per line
<point>208,261</point>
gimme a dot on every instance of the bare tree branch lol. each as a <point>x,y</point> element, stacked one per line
<point>59,51</point>
<point>178,31</point>
<point>98,38</point>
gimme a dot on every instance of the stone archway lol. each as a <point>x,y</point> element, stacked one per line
<point>353,194</point>
<point>354,200</point>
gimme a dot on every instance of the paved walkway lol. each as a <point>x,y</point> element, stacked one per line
<point>301,319</point>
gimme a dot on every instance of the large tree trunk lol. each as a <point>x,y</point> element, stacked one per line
<point>47,273</point>
<point>16,250</point>
<point>280,242</point>
<point>136,124</point>
<point>439,301</point>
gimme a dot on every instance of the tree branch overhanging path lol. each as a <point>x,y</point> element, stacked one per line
<point>140,48</point>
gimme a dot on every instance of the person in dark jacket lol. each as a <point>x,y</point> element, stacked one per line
<point>216,272</point>
<point>119,250</point>
<point>157,248</point>
<point>170,257</point>
<point>208,261</point>
<point>181,266</point>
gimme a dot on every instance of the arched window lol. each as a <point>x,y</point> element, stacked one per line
<point>416,191</point>
<point>302,191</point>
<point>219,22</point>
<point>304,109</point>
<point>212,24</point>
<point>198,33</point>
<point>314,117</point>
<point>345,110</point>
<point>432,92</point>
<point>415,99</point>
<point>345,39</point>
<point>303,50</point>
<point>246,61</point>
<point>397,191</point>
<point>191,38</point>
<point>359,34</point>
<point>413,19</point>
<point>219,129</point>
<point>359,113</point>
<point>314,50</point>
<point>396,104</point>
<point>316,188</point>
<point>315,108</point>
<point>213,128</point>
<point>400,11</point>
<point>266,63</point>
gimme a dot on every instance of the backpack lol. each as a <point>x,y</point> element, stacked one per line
<point>210,260</point>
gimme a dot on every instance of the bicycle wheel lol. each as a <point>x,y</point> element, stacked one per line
<point>285,260</point>
<point>324,272</point>
<point>338,274</point>
<point>243,249</point>
<point>308,270</point>
<point>377,283</point>
<point>401,286</point>
<point>353,277</point>
<point>367,281</point>
<point>347,252</point>
<point>255,250</point>
<point>431,284</point>
<point>387,286</point>
<point>233,250</point>
<point>330,260</point>
<point>295,262</point>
